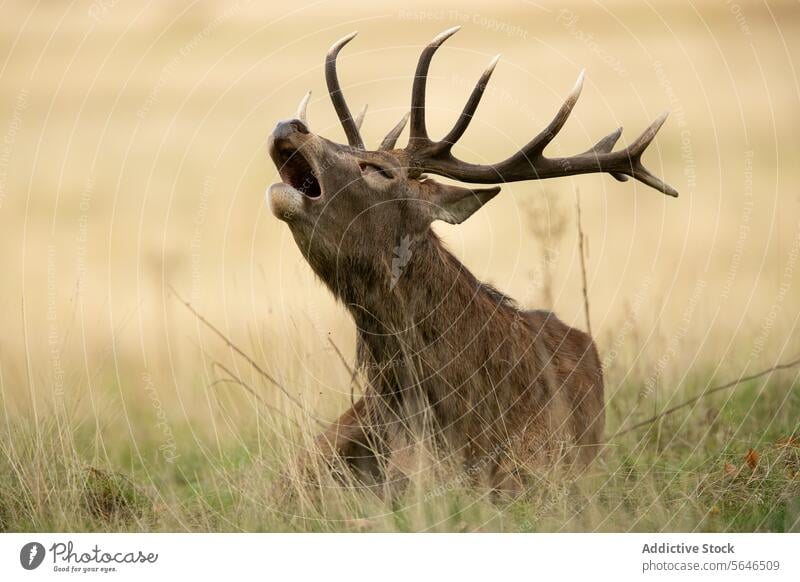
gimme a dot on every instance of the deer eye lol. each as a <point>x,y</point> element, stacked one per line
<point>368,168</point>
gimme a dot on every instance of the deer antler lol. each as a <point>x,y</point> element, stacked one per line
<point>302,109</point>
<point>529,163</point>
<point>339,104</point>
<point>391,138</point>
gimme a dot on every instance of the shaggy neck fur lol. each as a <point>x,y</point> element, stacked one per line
<point>424,321</point>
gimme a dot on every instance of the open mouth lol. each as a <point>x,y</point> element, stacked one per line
<point>295,169</point>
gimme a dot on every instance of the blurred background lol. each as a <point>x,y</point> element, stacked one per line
<point>133,158</point>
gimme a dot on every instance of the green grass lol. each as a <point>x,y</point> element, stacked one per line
<point>688,472</point>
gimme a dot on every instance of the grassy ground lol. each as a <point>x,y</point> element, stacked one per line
<point>729,463</point>
<point>132,159</point>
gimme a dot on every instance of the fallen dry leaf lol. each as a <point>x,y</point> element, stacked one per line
<point>751,458</point>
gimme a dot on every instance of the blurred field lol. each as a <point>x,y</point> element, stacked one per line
<point>132,158</point>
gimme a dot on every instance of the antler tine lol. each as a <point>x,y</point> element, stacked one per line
<point>360,117</point>
<point>471,105</point>
<point>641,143</point>
<point>302,109</point>
<point>418,130</point>
<point>635,151</point>
<point>604,146</point>
<point>339,104</point>
<point>536,146</point>
<point>390,140</point>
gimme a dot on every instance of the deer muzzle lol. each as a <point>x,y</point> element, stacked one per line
<point>290,146</point>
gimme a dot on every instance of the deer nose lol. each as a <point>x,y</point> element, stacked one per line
<point>286,128</point>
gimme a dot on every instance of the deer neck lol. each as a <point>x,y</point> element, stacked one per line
<point>406,302</point>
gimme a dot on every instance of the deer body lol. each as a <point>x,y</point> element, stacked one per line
<point>448,359</point>
<point>446,347</point>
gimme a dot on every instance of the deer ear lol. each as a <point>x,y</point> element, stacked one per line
<point>455,204</point>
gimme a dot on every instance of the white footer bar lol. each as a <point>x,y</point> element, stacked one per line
<point>401,557</point>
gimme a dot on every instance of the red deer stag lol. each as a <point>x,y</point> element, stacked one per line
<point>444,354</point>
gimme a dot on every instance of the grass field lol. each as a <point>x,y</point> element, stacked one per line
<point>727,466</point>
<point>132,160</point>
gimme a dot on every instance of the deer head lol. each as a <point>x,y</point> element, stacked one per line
<point>343,202</point>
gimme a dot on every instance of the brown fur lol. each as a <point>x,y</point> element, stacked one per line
<point>498,383</point>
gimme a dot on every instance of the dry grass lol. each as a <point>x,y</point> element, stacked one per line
<point>132,159</point>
